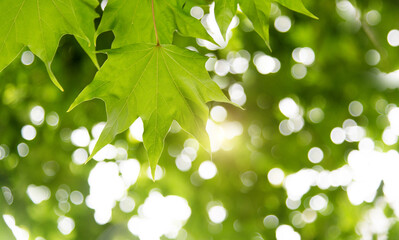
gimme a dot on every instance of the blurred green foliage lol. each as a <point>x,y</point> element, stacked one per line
<point>339,75</point>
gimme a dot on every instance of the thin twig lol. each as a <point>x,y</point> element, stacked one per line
<point>155,25</point>
<point>371,36</point>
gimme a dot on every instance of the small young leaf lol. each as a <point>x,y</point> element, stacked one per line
<point>159,84</point>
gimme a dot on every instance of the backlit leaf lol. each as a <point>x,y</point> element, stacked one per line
<point>40,25</point>
<point>258,11</point>
<point>159,84</point>
<point>224,13</point>
<point>132,22</point>
<point>297,6</point>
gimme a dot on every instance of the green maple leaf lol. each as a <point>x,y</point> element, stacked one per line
<point>40,24</point>
<point>224,13</point>
<point>159,83</point>
<point>132,21</point>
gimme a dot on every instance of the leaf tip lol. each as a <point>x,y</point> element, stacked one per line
<point>73,105</point>
<point>96,65</point>
<point>267,42</point>
<point>52,77</point>
<point>239,106</point>
<point>57,85</point>
<point>226,100</point>
<point>153,168</point>
<point>206,144</point>
<point>90,157</point>
<point>310,14</point>
<point>87,160</point>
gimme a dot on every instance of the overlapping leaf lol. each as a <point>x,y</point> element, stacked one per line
<point>40,24</point>
<point>258,11</point>
<point>159,84</point>
<point>297,6</point>
<point>132,22</point>
<point>224,13</point>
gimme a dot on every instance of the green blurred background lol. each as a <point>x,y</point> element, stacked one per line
<point>312,156</point>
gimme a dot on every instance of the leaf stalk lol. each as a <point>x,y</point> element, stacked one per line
<point>155,25</point>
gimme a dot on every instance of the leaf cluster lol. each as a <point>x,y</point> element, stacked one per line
<point>145,75</point>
